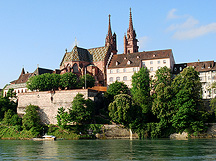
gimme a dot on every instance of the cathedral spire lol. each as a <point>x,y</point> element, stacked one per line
<point>130,41</point>
<point>111,39</point>
<point>109,28</point>
<point>130,22</point>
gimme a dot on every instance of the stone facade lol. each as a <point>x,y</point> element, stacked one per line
<point>50,101</point>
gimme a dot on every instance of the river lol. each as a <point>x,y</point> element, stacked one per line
<point>160,149</point>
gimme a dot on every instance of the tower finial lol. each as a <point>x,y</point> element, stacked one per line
<point>75,41</point>
<point>130,22</point>
<point>109,28</point>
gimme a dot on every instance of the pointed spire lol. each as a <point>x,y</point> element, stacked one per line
<point>23,71</point>
<point>109,27</point>
<point>130,22</point>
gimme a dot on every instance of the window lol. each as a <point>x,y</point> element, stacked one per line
<point>175,69</point>
<point>125,78</point>
<point>75,68</point>
<point>164,61</point>
<point>128,62</point>
<point>158,62</point>
<point>124,70</point>
<point>134,69</point>
<point>111,79</point>
<point>143,64</point>
<point>118,78</point>
<point>158,67</point>
<point>209,78</point>
<point>117,70</point>
<point>151,62</point>
<point>200,78</point>
<point>111,71</point>
<point>151,69</point>
<point>180,68</point>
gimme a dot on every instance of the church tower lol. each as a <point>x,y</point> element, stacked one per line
<point>130,41</point>
<point>111,39</point>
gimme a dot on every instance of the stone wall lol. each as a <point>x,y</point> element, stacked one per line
<point>50,101</point>
<point>116,132</point>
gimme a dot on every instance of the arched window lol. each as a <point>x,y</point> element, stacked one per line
<point>118,78</point>
<point>75,68</point>
<point>111,79</point>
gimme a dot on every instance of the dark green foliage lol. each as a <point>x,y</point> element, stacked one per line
<point>5,105</point>
<point>11,118</point>
<point>68,81</point>
<point>44,82</point>
<point>141,92</point>
<point>187,102</point>
<point>121,110</point>
<point>117,88</point>
<point>90,81</point>
<point>11,94</point>
<point>81,111</point>
<point>62,117</point>
<point>31,119</point>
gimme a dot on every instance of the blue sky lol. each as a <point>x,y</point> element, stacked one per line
<point>38,32</point>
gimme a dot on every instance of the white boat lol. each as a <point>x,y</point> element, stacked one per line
<point>45,138</point>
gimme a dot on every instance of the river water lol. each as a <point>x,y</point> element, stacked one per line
<point>161,149</point>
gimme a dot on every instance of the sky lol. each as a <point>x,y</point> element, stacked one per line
<point>36,33</point>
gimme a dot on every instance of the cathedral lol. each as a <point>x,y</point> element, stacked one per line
<point>96,60</point>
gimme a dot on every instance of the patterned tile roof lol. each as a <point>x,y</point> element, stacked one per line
<point>121,60</point>
<point>99,53</point>
<point>88,55</point>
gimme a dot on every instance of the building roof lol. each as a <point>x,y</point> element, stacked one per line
<point>88,55</point>
<point>16,86</point>
<point>198,66</point>
<point>134,59</point>
<point>99,53</point>
<point>40,71</point>
<point>203,66</point>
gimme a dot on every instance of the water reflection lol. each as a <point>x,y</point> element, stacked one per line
<point>108,150</point>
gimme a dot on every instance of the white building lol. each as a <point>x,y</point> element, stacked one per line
<point>123,66</point>
<point>207,74</point>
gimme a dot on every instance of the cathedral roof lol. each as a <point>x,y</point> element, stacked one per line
<point>87,55</point>
<point>99,53</point>
<point>134,59</point>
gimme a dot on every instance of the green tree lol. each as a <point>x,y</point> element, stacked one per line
<point>81,111</point>
<point>163,108</point>
<point>5,105</point>
<point>121,110</point>
<point>90,81</point>
<point>141,90</point>
<point>62,117</point>
<point>11,118</point>
<point>11,94</point>
<point>44,82</point>
<point>68,81</point>
<point>163,75</point>
<point>31,119</point>
<point>187,101</point>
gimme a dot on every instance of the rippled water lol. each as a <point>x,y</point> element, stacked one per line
<point>202,149</point>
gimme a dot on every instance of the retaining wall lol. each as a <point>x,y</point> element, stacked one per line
<point>50,101</point>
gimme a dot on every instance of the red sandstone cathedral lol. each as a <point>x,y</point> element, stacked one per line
<point>96,60</point>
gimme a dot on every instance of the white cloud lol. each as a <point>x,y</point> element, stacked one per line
<point>195,32</point>
<point>190,28</point>
<point>142,42</point>
<point>189,23</point>
<point>171,14</point>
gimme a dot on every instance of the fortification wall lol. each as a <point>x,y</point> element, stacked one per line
<point>50,101</point>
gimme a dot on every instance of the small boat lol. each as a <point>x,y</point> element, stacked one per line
<point>45,138</point>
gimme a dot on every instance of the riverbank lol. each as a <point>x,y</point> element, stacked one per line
<point>102,132</point>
